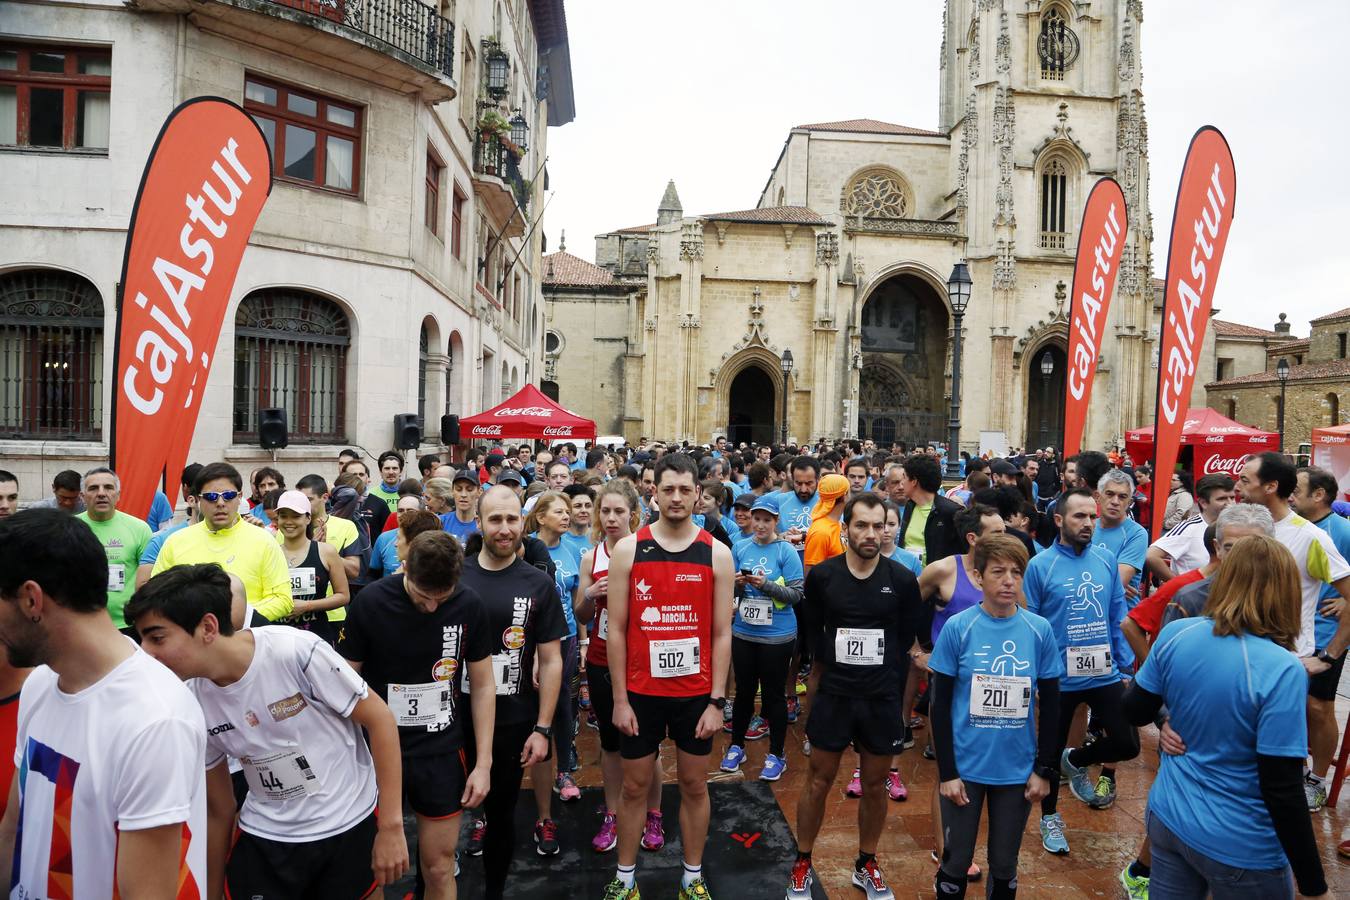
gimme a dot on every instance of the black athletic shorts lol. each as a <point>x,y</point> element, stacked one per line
<point>658,717</point>
<point>434,784</point>
<point>337,867</point>
<point>1323,686</point>
<point>874,724</point>
<point>602,704</point>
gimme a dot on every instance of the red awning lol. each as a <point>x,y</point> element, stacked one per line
<point>1205,426</point>
<point>528,414</point>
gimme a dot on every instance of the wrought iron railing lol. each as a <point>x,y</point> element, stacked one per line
<point>491,156</point>
<point>406,25</point>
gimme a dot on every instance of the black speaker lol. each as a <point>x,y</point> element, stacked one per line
<point>450,430</point>
<point>272,431</point>
<point>407,431</point>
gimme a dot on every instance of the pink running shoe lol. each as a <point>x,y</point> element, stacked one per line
<point>895,788</point>
<point>608,837</point>
<point>854,788</point>
<point>566,788</point>
<point>653,835</point>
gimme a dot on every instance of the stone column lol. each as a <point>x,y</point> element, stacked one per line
<point>691,255</point>
<point>825,373</point>
<point>438,388</point>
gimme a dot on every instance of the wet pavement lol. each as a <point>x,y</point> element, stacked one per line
<point>1101,842</point>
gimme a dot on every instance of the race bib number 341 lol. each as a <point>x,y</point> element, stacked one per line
<point>1088,662</point>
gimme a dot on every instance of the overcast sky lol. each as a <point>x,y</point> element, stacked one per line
<point>705,93</point>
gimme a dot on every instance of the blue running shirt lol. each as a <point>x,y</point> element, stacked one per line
<point>776,561</point>
<point>1128,543</point>
<point>1081,596</point>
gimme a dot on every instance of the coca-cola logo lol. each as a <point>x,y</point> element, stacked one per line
<point>558,431</point>
<point>486,430</point>
<point>539,412</point>
<point>1260,439</point>
<point>1214,439</point>
<point>1227,429</point>
<point>1230,466</point>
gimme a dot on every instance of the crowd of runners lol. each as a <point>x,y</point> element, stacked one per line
<point>246,701</point>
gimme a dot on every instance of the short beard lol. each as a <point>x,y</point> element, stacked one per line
<point>29,648</point>
<point>866,551</point>
<point>1072,539</point>
<point>494,551</point>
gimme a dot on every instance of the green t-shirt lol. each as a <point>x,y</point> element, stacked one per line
<point>123,538</point>
<point>918,521</point>
<point>387,494</point>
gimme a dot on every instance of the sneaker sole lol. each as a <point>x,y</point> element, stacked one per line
<point>735,768</point>
<point>756,737</point>
<point>1053,852</point>
<point>478,852</point>
<point>614,843</point>
<point>763,777</point>
<point>542,852</point>
<point>889,895</point>
<point>652,849</point>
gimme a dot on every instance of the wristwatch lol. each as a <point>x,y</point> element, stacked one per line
<point>719,702</point>
<point>1045,772</point>
<point>1327,658</point>
<point>545,730</point>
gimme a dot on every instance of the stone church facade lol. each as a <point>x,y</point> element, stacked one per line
<point>845,258</point>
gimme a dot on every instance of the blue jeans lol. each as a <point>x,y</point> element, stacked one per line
<point>1182,873</point>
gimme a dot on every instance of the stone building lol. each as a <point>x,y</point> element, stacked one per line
<point>845,256</point>
<point>394,269</point>
<point>1318,383</point>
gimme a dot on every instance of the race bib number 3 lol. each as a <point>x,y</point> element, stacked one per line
<point>757,611</point>
<point>303,582</point>
<point>501,672</point>
<point>117,577</point>
<point>671,659</point>
<point>420,704</point>
<point>859,646</point>
<point>602,629</point>
<point>999,697</point>
<point>283,775</point>
<point>1087,662</point>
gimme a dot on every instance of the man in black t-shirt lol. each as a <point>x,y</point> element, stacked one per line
<point>526,621</point>
<point>410,637</point>
<point>862,612</point>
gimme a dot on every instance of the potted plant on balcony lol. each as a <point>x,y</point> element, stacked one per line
<point>493,132</point>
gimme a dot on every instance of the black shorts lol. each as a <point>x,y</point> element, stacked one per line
<point>337,866</point>
<point>434,784</point>
<point>874,724</point>
<point>659,716</point>
<point>1323,686</point>
<point>602,704</point>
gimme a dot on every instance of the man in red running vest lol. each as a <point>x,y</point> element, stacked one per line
<point>670,607</point>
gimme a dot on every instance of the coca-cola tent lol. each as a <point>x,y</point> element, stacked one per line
<point>1331,451</point>
<point>1218,445</point>
<point>528,414</point>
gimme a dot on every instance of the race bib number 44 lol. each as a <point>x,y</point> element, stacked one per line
<point>859,646</point>
<point>420,704</point>
<point>671,659</point>
<point>1087,662</point>
<point>283,775</point>
<point>999,697</point>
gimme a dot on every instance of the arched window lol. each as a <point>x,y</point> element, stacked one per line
<point>1333,410</point>
<point>1054,204</point>
<point>1230,409</point>
<point>876,193</point>
<point>51,356</point>
<point>1057,45</point>
<point>454,375</point>
<point>422,375</point>
<point>290,350</point>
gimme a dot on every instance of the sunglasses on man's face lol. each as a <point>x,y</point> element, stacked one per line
<point>217,496</point>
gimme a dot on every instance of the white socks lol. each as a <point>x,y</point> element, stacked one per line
<point>691,873</point>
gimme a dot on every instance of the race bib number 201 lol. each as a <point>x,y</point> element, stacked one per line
<point>999,697</point>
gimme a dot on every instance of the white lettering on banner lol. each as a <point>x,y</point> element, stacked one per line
<point>1218,465</point>
<point>1181,358</point>
<point>1085,353</point>
<point>1214,439</point>
<point>158,350</point>
<point>1260,439</point>
<point>558,431</point>
<point>1332,439</point>
<point>539,412</point>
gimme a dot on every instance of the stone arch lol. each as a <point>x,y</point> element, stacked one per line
<point>429,383</point>
<point>930,276</point>
<point>757,356</point>
<point>877,192</point>
<point>1045,394</point>
<point>455,374</point>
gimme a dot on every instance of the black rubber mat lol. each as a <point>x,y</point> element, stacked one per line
<point>749,853</point>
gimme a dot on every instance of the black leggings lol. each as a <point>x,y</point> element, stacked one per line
<point>1120,743</point>
<point>1008,810</point>
<point>499,807</point>
<point>763,668</point>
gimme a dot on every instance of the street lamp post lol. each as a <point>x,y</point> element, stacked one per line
<point>787,371</point>
<point>958,293</point>
<point>1282,373</point>
<point>1047,369</point>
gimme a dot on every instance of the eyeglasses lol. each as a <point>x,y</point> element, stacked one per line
<point>217,496</point>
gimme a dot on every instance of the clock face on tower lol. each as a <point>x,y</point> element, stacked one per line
<point>1057,45</point>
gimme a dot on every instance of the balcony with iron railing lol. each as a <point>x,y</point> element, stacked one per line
<point>498,182</point>
<point>404,45</point>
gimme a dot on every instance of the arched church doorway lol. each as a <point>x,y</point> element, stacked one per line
<point>750,406</point>
<point>901,388</point>
<point>1046,371</point>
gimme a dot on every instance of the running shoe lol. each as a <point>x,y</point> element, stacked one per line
<point>1080,780</point>
<point>728,709</point>
<point>804,672</point>
<point>1343,848</point>
<point>908,740</point>
<point>474,845</point>
<point>1315,792</point>
<point>726,726</point>
<point>895,788</point>
<point>794,709</point>
<point>591,720</point>
<point>928,752</point>
<point>801,687</point>
<point>546,837</point>
<point>608,836</point>
<point>653,835</point>
<point>972,874</point>
<point>731,762</point>
<point>800,881</point>
<point>1136,888</point>
<point>773,768</point>
<point>616,891</point>
<point>806,747</point>
<point>456,863</point>
<point>854,788</point>
<point>1104,794</point>
<point>584,696</point>
<point>757,730</point>
<point>566,788</point>
<point>915,723</point>
<point>1052,834</point>
<point>873,884</point>
<point>695,890</point>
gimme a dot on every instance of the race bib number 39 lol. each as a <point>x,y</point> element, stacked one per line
<point>303,582</point>
<point>1087,662</point>
<point>859,646</point>
<point>283,775</point>
<point>671,659</point>
<point>999,697</point>
<point>757,611</point>
<point>420,704</point>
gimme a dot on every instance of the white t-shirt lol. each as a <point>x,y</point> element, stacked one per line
<point>121,755</point>
<point>1319,564</point>
<point>309,770</point>
<point>1185,543</point>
